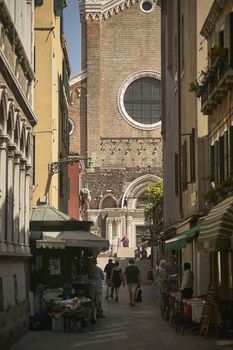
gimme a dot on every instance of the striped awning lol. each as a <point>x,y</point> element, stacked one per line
<point>217,228</point>
<point>180,240</point>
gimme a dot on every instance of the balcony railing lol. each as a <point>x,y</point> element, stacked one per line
<point>216,83</point>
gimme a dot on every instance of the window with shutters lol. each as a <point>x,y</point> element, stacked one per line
<point>216,161</point>
<point>212,164</point>
<point>221,158</point>
<point>230,148</point>
<point>226,155</point>
<point>176,177</point>
<point>192,156</point>
<point>184,166</point>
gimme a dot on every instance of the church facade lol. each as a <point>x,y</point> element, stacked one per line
<point>118,119</point>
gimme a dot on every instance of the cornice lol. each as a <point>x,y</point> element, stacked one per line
<point>103,9</point>
<point>77,78</point>
<point>212,18</point>
<point>15,40</point>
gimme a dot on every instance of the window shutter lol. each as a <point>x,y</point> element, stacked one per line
<point>231,150</point>
<point>221,38</point>
<point>228,36</point>
<point>192,156</point>
<point>221,158</point>
<point>212,164</point>
<point>216,161</point>
<point>226,154</point>
<point>176,174</point>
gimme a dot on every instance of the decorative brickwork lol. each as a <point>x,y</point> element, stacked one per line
<point>120,44</point>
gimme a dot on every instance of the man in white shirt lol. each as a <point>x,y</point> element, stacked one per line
<point>186,288</point>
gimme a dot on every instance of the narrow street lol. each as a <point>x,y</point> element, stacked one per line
<point>125,327</point>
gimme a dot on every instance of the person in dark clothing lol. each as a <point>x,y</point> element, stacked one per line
<point>116,279</point>
<point>132,277</point>
<point>108,270</point>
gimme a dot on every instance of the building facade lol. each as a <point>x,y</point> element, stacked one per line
<point>185,131</point>
<point>17,120</point>
<point>51,105</point>
<point>215,90</point>
<point>119,113</point>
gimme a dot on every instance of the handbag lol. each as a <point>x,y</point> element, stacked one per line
<point>138,297</point>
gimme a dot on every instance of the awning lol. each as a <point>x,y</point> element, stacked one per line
<point>84,239</point>
<point>217,228</point>
<point>81,239</point>
<point>47,218</point>
<point>180,240</point>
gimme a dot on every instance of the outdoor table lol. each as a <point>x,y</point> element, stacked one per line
<point>193,308</point>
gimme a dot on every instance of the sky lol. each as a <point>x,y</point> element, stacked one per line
<point>72,30</point>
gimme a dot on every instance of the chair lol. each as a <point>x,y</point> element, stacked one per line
<point>80,319</point>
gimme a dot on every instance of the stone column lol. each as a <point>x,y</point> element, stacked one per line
<point>118,229</point>
<point>22,204</point>
<point>129,229</point>
<point>10,184</point>
<point>27,205</point>
<point>109,230</point>
<point>3,177</point>
<point>16,199</point>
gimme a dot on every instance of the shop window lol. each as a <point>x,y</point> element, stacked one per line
<point>219,268</point>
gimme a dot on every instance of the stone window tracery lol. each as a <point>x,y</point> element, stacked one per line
<point>139,100</point>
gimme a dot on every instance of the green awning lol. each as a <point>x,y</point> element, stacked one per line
<point>217,228</point>
<point>180,240</point>
<point>48,218</point>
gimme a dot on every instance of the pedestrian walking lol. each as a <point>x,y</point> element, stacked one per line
<point>132,277</point>
<point>173,272</point>
<point>186,288</point>
<point>162,277</point>
<point>108,270</point>
<point>97,276</point>
<point>137,253</point>
<point>116,279</point>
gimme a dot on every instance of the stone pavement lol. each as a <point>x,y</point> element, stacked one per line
<point>125,328</point>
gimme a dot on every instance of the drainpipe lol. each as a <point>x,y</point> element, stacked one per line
<point>179,107</point>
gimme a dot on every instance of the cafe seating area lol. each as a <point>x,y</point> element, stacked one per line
<point>196,314</point>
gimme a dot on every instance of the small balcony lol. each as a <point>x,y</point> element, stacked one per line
<point>215,81</point>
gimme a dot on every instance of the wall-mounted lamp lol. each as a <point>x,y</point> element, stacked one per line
<point>56,167</point>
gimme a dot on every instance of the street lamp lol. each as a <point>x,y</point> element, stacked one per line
<point>56,167</point>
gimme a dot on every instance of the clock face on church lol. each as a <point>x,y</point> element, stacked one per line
<point>139,100</point>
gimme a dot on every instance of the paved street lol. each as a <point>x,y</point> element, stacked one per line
<point>125,327</point>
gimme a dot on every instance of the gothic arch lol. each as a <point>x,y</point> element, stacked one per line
<point>3,110</point>
<point>23,139</point>
<point>17,129</point>
<point>28,147</point>
<point>137,188</point>
<point>108,201</point>
<point>10,120</point>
